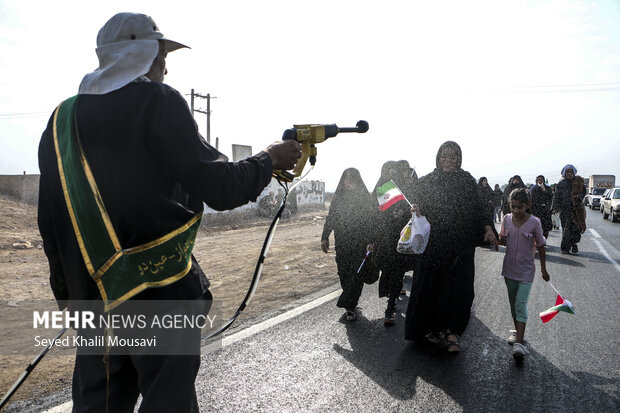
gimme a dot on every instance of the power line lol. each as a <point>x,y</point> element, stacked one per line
<point>609,89</point>
<point>538,89</point>
<point>559,88</point>
<point>569,85</point>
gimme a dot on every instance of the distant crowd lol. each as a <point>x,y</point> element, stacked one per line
<point>547,204</point>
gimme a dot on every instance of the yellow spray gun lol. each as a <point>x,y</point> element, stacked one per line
<point>309,136</point>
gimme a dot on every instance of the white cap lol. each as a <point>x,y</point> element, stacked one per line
<point>133,26</point>
<point>126,47</point>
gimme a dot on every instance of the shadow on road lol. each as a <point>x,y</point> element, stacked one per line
<point>560,259</point>
<point>593,256</point>
<point>483,377</point>
<point>564,259</point>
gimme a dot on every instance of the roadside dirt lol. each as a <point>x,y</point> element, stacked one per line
<point>295,267</point>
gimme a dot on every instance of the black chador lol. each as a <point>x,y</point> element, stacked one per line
<point>443,291</point>
<point>350,217</point>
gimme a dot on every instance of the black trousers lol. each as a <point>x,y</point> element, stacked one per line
<point>391,281</point>
<point>348,263</point>
<point>166,382</point>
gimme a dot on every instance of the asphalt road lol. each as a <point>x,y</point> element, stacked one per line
<point>306,358</point>
<point>316,361</point>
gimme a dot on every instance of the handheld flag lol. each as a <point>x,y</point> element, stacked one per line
<point>560,305</point>
<point>388,194</point>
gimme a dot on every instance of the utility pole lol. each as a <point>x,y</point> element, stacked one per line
<point>207,112</point>
<point>192,101</point>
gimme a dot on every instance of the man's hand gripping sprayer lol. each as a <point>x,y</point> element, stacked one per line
<point>309,136</point>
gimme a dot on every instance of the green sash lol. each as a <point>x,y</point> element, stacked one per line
<point>119,273</point>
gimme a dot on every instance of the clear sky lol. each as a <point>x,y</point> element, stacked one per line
<point>523,86</point>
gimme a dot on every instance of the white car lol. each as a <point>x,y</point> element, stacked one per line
<point>611,205</point>
<point>593,199</point>
<point>602,198</point>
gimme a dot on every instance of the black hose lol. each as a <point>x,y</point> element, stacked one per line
<point>29,369</point>
<point>257,271</point>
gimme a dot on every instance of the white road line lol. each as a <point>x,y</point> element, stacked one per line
<point>603,250</point>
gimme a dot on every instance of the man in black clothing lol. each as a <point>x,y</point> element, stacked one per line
<point>541,204</point>
<point>150,172</point>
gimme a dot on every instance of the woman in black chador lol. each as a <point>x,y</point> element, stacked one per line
<point>541,204</point>
<point>486,195</point>
<point>443,289</point>
<point>389,224</point>
<point>350,217</point>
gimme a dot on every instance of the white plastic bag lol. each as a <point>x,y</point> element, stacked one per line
<point>414,236</point>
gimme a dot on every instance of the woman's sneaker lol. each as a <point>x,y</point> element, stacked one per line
<point>518,351</point>
<point>513,337</point>
<point>350,315</point>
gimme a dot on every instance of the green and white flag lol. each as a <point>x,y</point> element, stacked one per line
<point>561,304</point>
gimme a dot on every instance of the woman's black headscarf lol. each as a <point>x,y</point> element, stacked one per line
<point>388,172</point>
<point>518,184</point>
<point>509,188</point>
<point>352,211</point>
<point>449,145</point>
<point>401,173</point>
<point>352,200</point>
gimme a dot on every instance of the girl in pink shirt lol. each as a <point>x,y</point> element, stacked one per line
<point>521,233</point>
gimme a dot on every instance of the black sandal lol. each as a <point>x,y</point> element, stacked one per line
<point>434,338</point>
<point>350,315</point>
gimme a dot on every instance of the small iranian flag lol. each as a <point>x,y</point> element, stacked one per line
<point>388,194</point>
<point>560,305</point>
